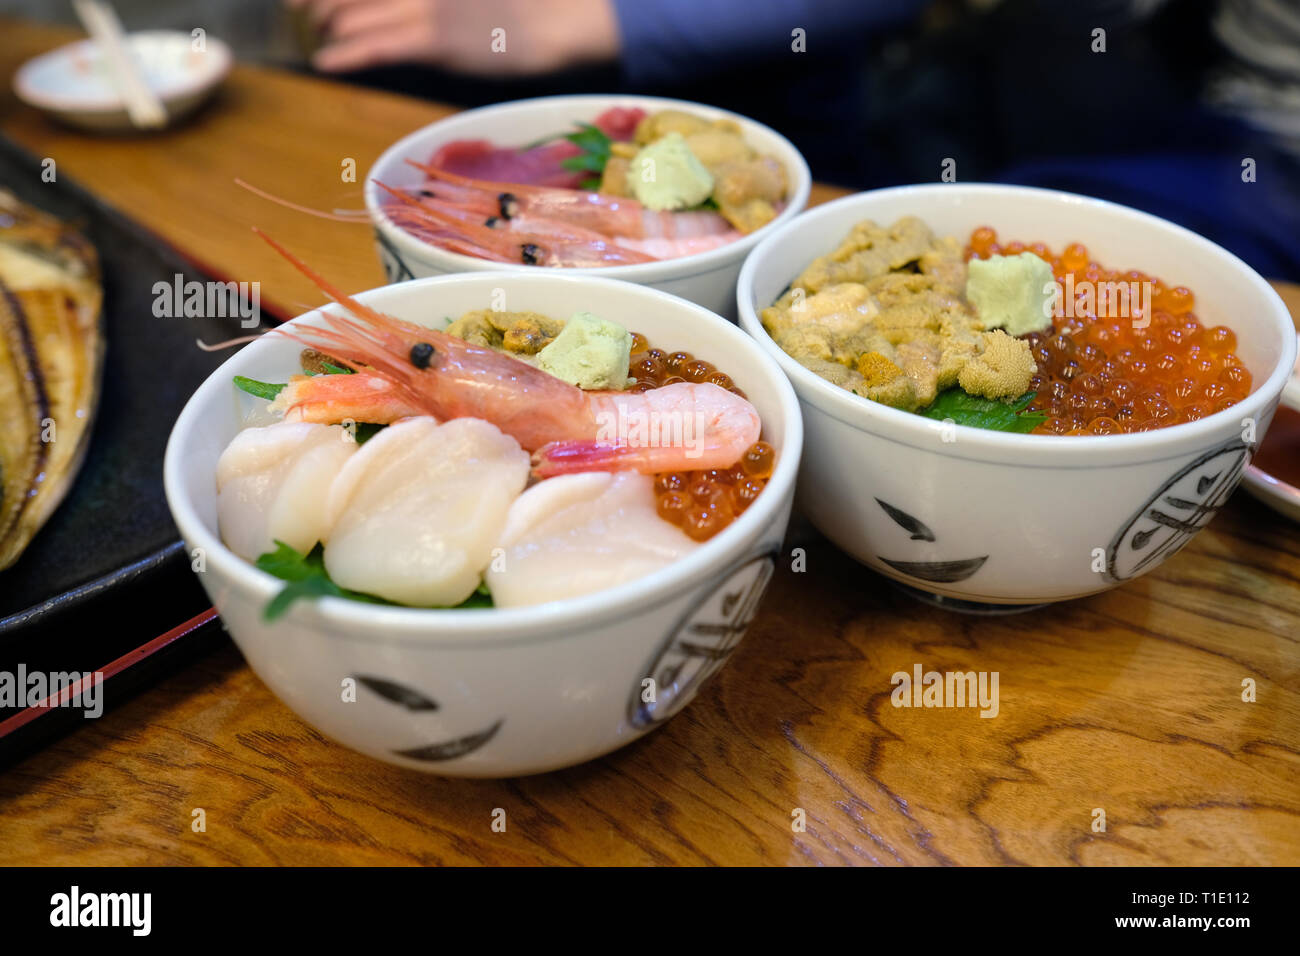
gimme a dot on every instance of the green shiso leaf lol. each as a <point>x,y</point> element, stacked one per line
<point>976,412</point>
<point>595,147</point>
<point>590,139</point>
<point>307,580</point>
<point>586,163</point>
<point>481,597</point>
<point>266,390</point>
<point>269,390</point>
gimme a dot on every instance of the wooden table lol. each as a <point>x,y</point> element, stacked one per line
<point>1129,701</point>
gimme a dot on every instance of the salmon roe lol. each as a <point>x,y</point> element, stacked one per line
<point>703,502</point>
<point>1102,374</point>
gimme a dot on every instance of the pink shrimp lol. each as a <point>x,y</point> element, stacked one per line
<point>330,399</point>
<point>613,216</point>
<point>681,427</point>
<point>675,248</point>
<point>400,367</point>
<point>531,241</point>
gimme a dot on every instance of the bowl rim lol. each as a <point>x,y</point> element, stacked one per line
<point>1022,450</point>
<point>44,99</point>
<point>524,624</point>
<point>680,268</point>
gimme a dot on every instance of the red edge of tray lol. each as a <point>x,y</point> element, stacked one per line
<point>129,659</point>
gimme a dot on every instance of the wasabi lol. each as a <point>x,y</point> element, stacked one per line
<point>1014,293</point>
<point>666,175</point>
<point>589,352</point>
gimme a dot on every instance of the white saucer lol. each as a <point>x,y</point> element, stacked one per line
<point>1278,495</point>
<point>73,83</point>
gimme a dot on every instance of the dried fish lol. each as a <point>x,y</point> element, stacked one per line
<point>51,359</point>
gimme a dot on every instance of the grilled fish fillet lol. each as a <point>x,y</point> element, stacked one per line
<point>51,358</point>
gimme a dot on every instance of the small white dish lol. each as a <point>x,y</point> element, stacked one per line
<point>73,84</point>
<point>517,690</point>
<point>706,278</point>
<point>1277,494</point>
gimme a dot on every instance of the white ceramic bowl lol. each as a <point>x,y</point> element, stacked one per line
<point>708,278</point>
<point>999,519</point>
<point>517,690</point>
<point>73,83</point>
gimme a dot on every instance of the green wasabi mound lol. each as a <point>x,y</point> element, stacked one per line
<point>1012,293</point>
<point>667,175</point>
<point>589,352</point>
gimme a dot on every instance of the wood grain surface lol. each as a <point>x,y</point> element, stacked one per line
<point>1130,701</point>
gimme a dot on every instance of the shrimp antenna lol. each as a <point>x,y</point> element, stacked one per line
<point>331,290</point>
<point>345,215</point>
<point>378,345</point>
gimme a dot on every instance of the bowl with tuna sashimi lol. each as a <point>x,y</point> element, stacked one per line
<point>491,524</point>
<point>661,192</point>
<point>1014,396</point>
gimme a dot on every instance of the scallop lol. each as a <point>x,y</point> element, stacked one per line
<point>273,483</point>
<point>575,534</point>
<point>416,512</point>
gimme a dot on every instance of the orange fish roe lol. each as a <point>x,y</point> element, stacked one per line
<point>1103,375</point>
<point>701,503</point>
<point>654,367</point>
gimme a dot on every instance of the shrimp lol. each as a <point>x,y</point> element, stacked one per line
<point>530,240</point>
<point>401,368</point>
<point>682,427</point>
<point>615,217</point>
<point>331,399</point>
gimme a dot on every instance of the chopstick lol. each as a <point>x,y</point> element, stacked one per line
<point>142,104</point>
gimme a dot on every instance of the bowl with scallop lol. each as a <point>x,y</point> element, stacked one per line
<point>661,192</point>
<point>1014,396</point>
<point>489,525</point>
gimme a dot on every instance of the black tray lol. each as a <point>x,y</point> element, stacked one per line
<point>107,578</point>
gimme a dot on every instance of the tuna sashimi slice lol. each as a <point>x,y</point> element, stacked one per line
<point>539,166</point>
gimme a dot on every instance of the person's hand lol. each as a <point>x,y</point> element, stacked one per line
<point>485,37</point>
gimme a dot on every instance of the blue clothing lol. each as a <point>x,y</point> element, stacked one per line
<point>1203,190</point>
<point>671,41</point>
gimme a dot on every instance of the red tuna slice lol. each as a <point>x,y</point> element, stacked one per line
<point>539,166</point>
<point>618,122</point>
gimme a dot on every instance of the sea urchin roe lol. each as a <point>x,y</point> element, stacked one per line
<point>892,300</point>
<point>1106,368</point>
